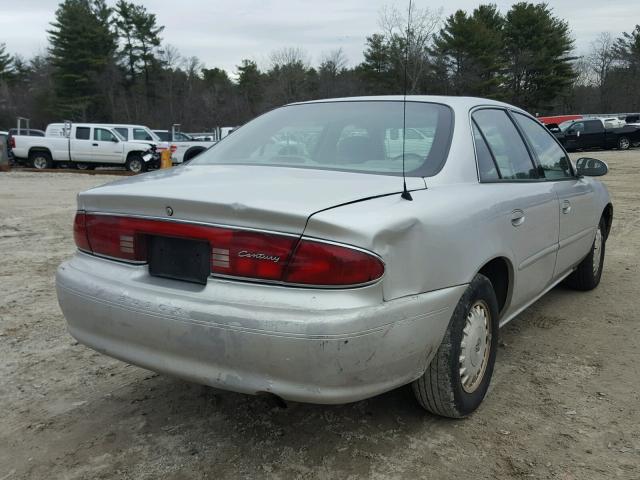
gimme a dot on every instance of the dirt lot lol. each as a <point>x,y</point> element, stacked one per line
<point>564,402</point>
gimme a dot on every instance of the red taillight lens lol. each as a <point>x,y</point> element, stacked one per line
<point>235,253</point>
<point>80,232</point>
<point>12,142</point>
<point>318,263</point>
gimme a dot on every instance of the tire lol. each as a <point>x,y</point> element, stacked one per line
<point>624,143</point>
<point>40,160</point>
<point>444,389</point>
<point>84,166</point>
<point>191,154</point>
<point>588,273</point>
<point>135,164</point>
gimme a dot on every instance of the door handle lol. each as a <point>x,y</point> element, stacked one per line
<point>95,144</point>
<point>517,217</point>
<point>566,206</point>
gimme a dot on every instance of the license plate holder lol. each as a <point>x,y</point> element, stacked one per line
<point>179,259</point>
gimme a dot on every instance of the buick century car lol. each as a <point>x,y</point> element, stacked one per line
<point>290,260</point>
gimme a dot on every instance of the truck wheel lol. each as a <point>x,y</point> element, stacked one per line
<point>135,164</point>
<point>458,377</point>
<point>587,275</point>
<point>623,143</point>
<point>84,166</point>
<point>40,160</point>
<point>191,154</point>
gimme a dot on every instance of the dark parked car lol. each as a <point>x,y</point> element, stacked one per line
<point>586,134</point>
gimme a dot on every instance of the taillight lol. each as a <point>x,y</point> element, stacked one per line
<point>12,142</point>
<point>234,252</point>
<point>319,263</point>
<point>80,232</point>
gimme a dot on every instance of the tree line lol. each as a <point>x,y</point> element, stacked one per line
<point>109,64</point>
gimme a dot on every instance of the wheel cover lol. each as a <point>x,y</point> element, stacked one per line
<point>475,346</point>
<point>597,251</point>
<point>40,162</point>
<point>624,143</point>
<point>135,166</point>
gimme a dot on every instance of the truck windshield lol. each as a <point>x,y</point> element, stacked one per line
<point>357,136</point>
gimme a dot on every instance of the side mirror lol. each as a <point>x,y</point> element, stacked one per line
<point>114,140</point>
<point>591,167</point>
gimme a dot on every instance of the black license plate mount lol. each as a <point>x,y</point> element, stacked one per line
<point>179,259</point>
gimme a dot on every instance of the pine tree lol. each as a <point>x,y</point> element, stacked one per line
<point>140,36</point>
<point>468,52</point>
<point>251,85</point>
<point>82,47</point>
<point>537,48</point>
<point>6,63</point>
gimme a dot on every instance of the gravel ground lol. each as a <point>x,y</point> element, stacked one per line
<point>564,401</point>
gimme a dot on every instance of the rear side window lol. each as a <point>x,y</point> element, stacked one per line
<point>124,132</point>
<point>164,136</point>
<point>551,157</point>
<point>593,126</point>
<point>486,164</point>
<point>506,145</point>
<point>83,133</point>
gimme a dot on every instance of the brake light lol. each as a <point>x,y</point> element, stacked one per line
<point>236,253</point>
<point>80,232</point>
<point>12,142</point>
<point>319,263</point>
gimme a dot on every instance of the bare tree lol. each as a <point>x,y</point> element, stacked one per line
<point>410,39</point>
<point>601,59</point>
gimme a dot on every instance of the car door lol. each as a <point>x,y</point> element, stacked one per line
<point>573,137</point>
<point>593,135</point>
<point>576,196</point>
<point>526,205</point>
<point>106,146</point>
<point>80,144</point>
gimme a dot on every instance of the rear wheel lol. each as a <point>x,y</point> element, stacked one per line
<point>587,275</point>
<point>40,160</point>
<point>458,377</point>
<point>623,143</point>
<point>135,164</point>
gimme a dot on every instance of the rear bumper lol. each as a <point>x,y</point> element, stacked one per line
<point>300,344</point>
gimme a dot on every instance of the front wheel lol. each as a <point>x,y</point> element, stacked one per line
<point>589,272</point>
<point>458,377</point>
<point>135,164</point>
<point>623,143</point>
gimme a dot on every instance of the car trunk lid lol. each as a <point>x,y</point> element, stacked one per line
<point>261,197</point>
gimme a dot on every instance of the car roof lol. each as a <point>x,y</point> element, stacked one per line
<point>464,103</point>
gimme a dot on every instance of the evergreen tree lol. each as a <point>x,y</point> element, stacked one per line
<point>6,63</point>
<point>82,47</point>
<point>468,50</point>
<point>537,48</point>
<point>250,86</point>
<point>140,39</point>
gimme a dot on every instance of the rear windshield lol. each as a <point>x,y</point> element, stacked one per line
<point>358,136</point>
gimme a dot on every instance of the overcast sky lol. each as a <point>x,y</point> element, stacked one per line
<point>222,32</point>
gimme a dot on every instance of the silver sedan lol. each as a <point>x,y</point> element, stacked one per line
<point>293,259</point>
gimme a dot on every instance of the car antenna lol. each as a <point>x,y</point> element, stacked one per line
<point>405,193</point>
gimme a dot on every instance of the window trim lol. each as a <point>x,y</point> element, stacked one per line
<point>573,176</point>
<point>526,146</point>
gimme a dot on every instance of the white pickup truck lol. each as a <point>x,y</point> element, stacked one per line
<point>84,145</point>
<point>183,147</point>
